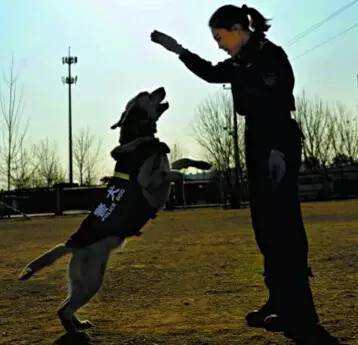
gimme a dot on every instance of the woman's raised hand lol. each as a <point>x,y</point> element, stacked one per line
<point>166,41</point>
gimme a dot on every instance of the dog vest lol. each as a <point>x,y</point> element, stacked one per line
<point>123,210</point>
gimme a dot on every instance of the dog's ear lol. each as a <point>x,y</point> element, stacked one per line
<point>119,123</point>
<point>133,114</point>
<point>136,114</point>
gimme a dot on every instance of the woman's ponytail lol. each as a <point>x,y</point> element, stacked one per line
<point>258,22</point>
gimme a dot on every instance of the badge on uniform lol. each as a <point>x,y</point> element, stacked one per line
<point>270,78</point>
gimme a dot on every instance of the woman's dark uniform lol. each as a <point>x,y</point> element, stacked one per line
<point>262,84</point>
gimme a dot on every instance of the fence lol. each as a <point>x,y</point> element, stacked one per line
<point>331,184</point>
<point>49,200</point>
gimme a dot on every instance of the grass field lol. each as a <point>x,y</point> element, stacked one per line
<point>190,279</point>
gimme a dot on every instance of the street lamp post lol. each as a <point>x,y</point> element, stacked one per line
<point>69,60</point>
<point>235,199</point>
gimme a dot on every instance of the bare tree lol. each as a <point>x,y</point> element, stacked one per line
<point>341,159</point>
<point>25,168</point>
<point>49,169</point>
<point>176,152</point>
<point>331,132</point>
<point>86,155</point>
<point>213,131</point>
<point>12,133</point>
<point>345,142</point>
<point>317,123</point>
<point>79,153</point>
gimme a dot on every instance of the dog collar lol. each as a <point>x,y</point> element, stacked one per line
<point>121,175</point>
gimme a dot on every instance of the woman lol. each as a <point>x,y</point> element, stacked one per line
<point>262,84</point>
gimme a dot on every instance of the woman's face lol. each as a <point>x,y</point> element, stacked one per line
<point>230,40</point>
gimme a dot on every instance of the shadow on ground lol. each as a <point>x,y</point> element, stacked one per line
<point>67,339</point>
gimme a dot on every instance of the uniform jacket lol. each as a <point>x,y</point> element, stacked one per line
<point>262,83</point>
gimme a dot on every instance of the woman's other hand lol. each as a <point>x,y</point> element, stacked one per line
<point>277,167</point>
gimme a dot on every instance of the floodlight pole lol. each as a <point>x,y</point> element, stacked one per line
<point>236,198</point>
<point>69,80</point>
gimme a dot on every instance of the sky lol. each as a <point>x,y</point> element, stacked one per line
<point>116,60</point>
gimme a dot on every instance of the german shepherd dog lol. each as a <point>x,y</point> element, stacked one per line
<point>134,194</point>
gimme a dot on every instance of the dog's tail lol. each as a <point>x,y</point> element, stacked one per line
<point>44,260</point>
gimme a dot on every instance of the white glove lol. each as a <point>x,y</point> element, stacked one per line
<point>277,167</point>
<point>167,42</point>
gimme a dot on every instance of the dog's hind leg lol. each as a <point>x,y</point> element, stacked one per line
<point>44,260</point>
<point>81,324</point>
<point>86,271</point>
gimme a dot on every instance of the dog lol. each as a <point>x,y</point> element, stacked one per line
<point>135,193</point>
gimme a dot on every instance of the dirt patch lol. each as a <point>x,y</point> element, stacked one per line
<point>190,279</point>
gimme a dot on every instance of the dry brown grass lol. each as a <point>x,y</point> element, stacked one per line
<point>190,279</point>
